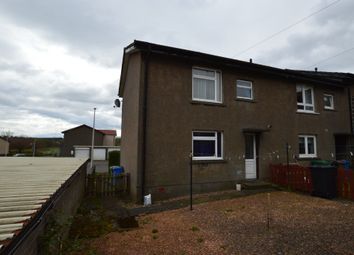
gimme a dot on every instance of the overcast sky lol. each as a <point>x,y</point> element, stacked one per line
<point>59,59</point>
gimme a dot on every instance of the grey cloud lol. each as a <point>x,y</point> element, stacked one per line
<point>98,31</point>
<point>330,33</point>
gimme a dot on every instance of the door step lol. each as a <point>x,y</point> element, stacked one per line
<point>256,185</point>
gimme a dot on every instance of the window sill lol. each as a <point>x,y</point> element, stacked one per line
<point>303,112</point>
<point>329,110</point>
<point>307,158</point>
<point>208,161</point>
<point>207,103</point>
<point>245,100</point>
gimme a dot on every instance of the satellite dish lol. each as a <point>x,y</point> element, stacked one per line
<point>117,103</point>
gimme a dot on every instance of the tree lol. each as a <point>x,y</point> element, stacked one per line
<point>117,141</point>
<point>7,134</point>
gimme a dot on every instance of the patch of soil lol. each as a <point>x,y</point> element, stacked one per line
<point>298,224</point>
<point>128,222</point>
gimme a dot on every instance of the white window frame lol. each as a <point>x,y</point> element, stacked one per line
<point>307,155</point>
<point>209,138</point>
<point>304,104</point>
<point>217,84</point>
<point>245,87</point>
<point>331,100</point>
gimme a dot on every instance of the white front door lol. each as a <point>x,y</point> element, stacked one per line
<point>250,156</point>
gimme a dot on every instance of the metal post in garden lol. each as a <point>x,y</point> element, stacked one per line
<point>191,180</point>
<point>93,138</point>
<point>287,163</point>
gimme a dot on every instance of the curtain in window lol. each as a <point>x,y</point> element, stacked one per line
<point>204,89</point>
<point>302,145</point>
<point>311,145</point>
<point>308,96</point>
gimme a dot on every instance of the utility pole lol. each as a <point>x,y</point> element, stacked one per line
<point>93,137</point>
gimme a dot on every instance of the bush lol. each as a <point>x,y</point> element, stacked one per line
<point>114,158</point>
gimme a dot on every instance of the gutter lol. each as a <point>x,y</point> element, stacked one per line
<point>40,215</point>
<point>143,164</point>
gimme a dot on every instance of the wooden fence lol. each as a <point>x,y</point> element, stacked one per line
<point>107,184</point>
<point>345,183</point>
<point>294,176</point>
<point>299,178</point>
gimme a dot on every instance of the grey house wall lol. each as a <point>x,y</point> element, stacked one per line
<point>131,140</point>
<point>169,130</point>
<point>79,136</point>
<point>172,116</point>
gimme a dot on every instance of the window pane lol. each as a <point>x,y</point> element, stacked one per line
<point>210,90</point>
<point>299,94</point>
<point>244,92</point>
<point>219,144</point>
<point>309,108</point>
<point>218,87</point>
<point>204,72</point>
<point>300,107</point>
<point>302,145</point>
<point>249,147</point>
<point>244,83</point>
<point>210,134</point>
<point>203,148</point>
<point>308,96</point>
<point>328,101</point>
<point>310,145</point>
<point>203,89</point>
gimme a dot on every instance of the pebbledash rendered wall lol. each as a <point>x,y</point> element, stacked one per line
<point>172,115</point>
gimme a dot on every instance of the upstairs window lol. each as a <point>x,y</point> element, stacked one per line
<point>307,146</point>
<point>206,85</point>
<point>328,101</point>
<point>244,89</point>
<point>305,99</point>
<point>207,145</point>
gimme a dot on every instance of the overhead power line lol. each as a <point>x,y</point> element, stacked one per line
<point>288,27</point>
<point>334,56</point>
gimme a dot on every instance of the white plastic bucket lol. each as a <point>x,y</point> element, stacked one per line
<point>147,200</point>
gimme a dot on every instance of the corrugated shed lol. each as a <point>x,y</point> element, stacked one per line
<point>25,185</point>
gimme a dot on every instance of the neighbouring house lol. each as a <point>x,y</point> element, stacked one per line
<point>234,117</point>
<point>4,147</point>
<point>82,136</point>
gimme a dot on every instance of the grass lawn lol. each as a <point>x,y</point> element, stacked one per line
<point>298,224</point>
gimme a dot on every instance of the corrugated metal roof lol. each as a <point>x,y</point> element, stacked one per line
<point>25,185</point>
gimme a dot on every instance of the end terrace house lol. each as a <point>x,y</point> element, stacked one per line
<point>234,117</point>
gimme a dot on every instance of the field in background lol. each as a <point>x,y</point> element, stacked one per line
<point>44,147</point>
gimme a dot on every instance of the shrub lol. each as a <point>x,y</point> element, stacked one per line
<point>194,228</point>
<point>200,240</point>
<point>114,158</point>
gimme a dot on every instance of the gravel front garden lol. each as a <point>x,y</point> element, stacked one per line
<point>298,224</point>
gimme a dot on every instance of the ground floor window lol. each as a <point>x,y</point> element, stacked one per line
<point>307,146</point>
<point>207,145</point>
